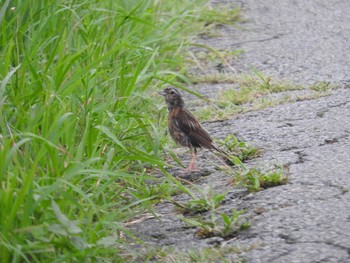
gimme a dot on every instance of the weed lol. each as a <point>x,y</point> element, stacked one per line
<point>322,86</point>
<point>251,88</point>
<point>210,202</point>
<point>208,18</point>
<point>246,93</point>
<point>225,226</point>
<point>238,148</point>
<point>200,255</point>
<point>231,222</point>
<point>254,179</point>
<point>141,188</point>
<point>221,225</point>
<point>216,112</point>
<point>222,15</point>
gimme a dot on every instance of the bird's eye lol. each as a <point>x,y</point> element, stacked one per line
<point>172,92</point>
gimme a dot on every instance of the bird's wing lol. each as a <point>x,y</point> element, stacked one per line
<point>191,127</point>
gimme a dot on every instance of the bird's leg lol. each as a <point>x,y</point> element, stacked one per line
<point>192,165</point>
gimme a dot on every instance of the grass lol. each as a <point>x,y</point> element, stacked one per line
<point>212,17</point>
<point>227,253</point>
<point>209,202</point>
<point>211,224</point>
<point>224,226</point>
<point>79,138</point>
<point>253,92</point>
<point>238,148</point>
<point>220,15</point>
<point>255,179</point>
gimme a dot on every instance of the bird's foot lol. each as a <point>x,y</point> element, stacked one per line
<point>191,168</point>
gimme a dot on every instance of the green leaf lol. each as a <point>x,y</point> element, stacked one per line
<point>3,10</point>
<point>5,81</point>
<point>111,135</point>
<point>70,226</point>
<point>226,219</point>
<point>108,241</point>
<point>57,229</point>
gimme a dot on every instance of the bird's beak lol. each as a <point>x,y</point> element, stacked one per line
<point>162,93</point>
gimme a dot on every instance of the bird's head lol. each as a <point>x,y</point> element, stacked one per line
<point>172,97</point>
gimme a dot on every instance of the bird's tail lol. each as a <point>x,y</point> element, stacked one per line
<point>224,155</point>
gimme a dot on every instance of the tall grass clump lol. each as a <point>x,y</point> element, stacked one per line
<point>78,124</point>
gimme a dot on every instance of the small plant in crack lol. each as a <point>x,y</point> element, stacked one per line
<point>222,15</point>
<point>250,88</point>
<point>218,224</point>
<point>232,223</point>
<point>255,179</point>
<point>322,86</point>
<point>209,202</point>
<point>265,81</point>
<point>225,226</point>
<point>238,148</point>
<point>154,190</point>
<point>198,254</point>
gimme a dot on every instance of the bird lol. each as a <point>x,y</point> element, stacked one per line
<point>185,129</point>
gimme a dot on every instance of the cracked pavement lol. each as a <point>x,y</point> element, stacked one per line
<point>308,219</point>
<point>301,41</point>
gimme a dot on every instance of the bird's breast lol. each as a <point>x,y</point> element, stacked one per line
<point>176,132</point>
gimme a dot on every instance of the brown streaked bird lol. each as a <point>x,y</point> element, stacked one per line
<point>185,129</point>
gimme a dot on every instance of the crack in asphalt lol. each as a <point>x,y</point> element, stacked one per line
<point>338,105</point>
<point>301,157</point>
<point>259,40</point>
<point>334,140</point>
